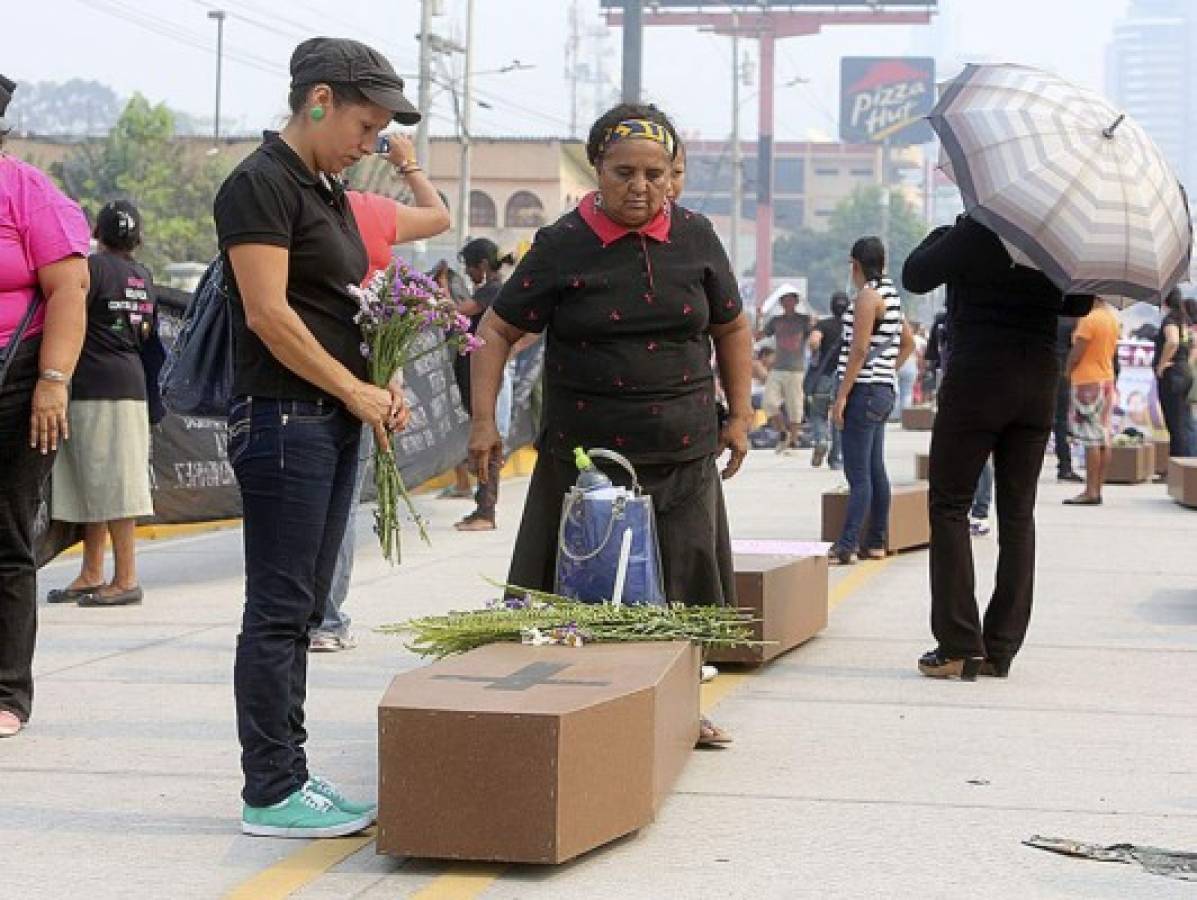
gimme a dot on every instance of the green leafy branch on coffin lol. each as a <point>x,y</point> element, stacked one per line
<point>538,617</point>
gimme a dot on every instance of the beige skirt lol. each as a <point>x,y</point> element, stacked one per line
<point>103,472</point>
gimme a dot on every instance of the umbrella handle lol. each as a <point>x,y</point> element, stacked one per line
<point>1108,131</point>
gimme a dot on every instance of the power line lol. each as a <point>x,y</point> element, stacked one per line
<point>164,28</point>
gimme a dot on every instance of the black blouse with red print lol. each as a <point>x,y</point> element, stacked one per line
<point>627,315</point>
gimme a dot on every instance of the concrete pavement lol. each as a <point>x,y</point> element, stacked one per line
<point>851,775</point>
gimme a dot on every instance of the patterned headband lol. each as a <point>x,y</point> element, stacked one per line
<point>639,128</point>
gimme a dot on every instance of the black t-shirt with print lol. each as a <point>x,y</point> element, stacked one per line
<point>628,348</point>
<point>121,317</point>
<point>273,198</point>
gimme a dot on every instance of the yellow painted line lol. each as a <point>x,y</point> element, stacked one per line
<point>464,881</point>
<point>164,532</point>
<point>854,580</point>
<point>300,868</point>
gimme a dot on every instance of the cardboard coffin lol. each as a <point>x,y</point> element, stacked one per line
<point>922,466</point>
<point>1163,452</point>
<point>787,593</point>
<point>918,418</point>
<point>1131,465</point>
<point>1182,480</point>
<point>529,754</point>
<point>909,523</point>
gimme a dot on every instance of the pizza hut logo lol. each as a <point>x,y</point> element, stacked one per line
<point>883,98</point>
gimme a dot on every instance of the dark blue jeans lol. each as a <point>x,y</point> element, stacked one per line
<point>295,463</point>
<point>869,406</point>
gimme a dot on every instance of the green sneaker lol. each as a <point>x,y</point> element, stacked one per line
<point>304,814</point>
<point>330,791</point>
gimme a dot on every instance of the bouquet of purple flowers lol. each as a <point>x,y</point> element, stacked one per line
<point>403,316</point>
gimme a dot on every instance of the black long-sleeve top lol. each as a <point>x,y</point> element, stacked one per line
<point>994,301</point>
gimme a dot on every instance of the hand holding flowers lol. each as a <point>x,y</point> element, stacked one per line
<point>404,316</point>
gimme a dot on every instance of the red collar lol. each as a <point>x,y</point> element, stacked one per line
<point>609,231</point>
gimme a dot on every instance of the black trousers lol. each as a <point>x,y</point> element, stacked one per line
<point>995,400</point>
<point>23,472</point>
<point>295,464</point>
<point>1174,402</point>
<point>1060,426</point>
<point>692,528</point>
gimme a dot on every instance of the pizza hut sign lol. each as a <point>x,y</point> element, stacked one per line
<point>886,99</point>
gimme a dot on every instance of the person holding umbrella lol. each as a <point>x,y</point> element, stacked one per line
<point>1066,197</point>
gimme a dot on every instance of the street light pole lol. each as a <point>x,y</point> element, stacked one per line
<point>737,191</point>
<point>463,200</point>
<point>218,15</point>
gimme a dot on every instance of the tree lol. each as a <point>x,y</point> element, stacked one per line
<point>77,108</point>
<point>823,256</point>
<point>142,162</point>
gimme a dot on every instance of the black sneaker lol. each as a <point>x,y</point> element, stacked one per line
<point>1072,477</point>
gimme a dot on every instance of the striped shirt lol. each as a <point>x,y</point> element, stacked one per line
<point>885,343</point>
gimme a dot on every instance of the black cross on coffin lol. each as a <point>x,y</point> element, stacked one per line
<point>531,675</point>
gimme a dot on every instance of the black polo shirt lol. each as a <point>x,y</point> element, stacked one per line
<point>273,198</point>
<point>628,348</point>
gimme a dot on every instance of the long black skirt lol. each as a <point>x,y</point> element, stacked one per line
<point>691,525</point>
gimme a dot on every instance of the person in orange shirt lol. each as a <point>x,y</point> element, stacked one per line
<point>1091,373</point>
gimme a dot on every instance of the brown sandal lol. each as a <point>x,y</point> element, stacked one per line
<point>711,736</point>
<point>475,523</point>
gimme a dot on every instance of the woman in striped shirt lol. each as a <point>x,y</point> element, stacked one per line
<point>876,341</point>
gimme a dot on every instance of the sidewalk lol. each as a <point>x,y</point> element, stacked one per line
<point>851,775</point>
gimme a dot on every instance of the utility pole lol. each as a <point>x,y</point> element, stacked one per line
<point>463,201</point>
<point>218,15</point>
<point>572,66</point>
<point>425,98</point>
<point>737,191</point>
<point>633,41</point>
<point>885,197</point>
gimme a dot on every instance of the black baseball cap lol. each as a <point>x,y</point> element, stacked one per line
<point>344,61</point>
<point>7,86</point>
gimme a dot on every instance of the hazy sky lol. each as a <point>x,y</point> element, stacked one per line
<point>166,50</point>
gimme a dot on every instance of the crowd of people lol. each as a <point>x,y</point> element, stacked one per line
<point>648,351</point>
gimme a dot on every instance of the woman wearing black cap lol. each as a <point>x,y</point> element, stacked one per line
<point>101,478</point>
<point>484,266</point>
<point>633,294</point>
<point>292,250</point>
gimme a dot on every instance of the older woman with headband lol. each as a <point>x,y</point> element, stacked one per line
<point>632,291</point>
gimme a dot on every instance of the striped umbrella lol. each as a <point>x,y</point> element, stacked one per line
<point>1068,181</point>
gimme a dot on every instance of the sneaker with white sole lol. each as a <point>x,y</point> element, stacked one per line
<point>326,788</point>
<point>328,642</point>
<point>709,674</point>
<point>304,814</point>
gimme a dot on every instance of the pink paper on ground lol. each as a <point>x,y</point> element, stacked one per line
<point>780,548</point>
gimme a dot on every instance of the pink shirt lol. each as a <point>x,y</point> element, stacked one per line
<point>39,225</point>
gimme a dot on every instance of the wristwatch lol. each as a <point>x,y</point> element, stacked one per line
<point>53,375</point>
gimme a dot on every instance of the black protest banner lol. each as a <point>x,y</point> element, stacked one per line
<point>191,479</point>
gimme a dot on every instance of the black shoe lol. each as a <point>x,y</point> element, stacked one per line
<point>131,597</point>
<point>995,668</point>
<point>840,556</point>
<point>1070,477</point>
<point>936,664</point>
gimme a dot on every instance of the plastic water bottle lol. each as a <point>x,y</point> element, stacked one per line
<point>590,479</point>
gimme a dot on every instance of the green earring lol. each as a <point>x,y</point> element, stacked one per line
<point>317,113</point>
